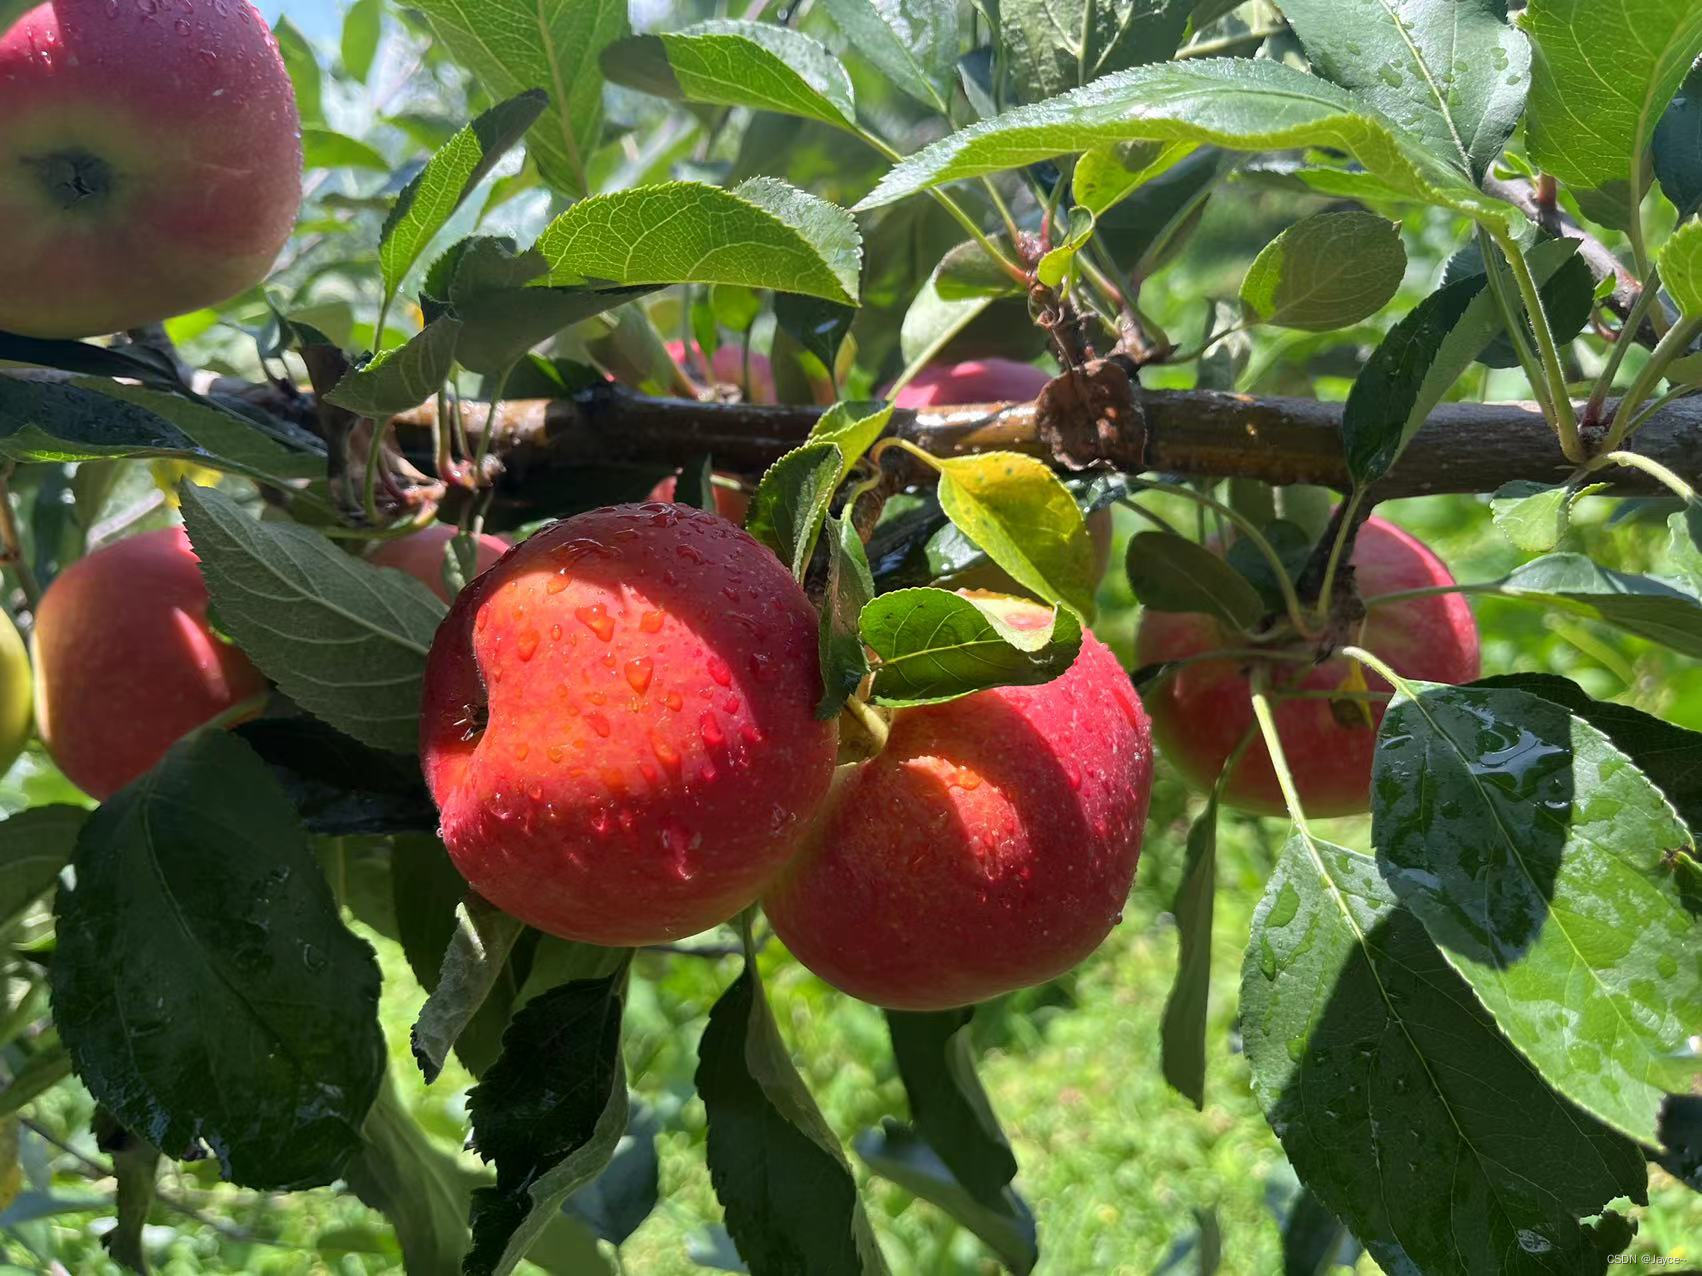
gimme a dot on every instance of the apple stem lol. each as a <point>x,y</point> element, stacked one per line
<point>12,543</point>
<point>870,720</point>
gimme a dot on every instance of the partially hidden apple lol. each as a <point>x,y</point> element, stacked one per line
<point>727,367</point>
<point>731,503</point>
<point>990,845</point>
<point>16,694</point>
<point>125,661</point>
<point>993,381</point>
<point>1202,710</point>
<point>421,555</point>
<point>618,725</point>
<point>150,161</point>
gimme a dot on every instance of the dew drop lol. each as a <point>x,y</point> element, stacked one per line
<point>710,730</point>
<point>596,618</point>
<point>521,750</point>
<point>555,584</point>
<point>526,646</point>
<point>554,752</point>
<point>673,701</point>
<point>597,697</point>
<point>598,723</point>
<point>182,28</point>
<point>650,622</point>
<point>718,670</point>
<point>555,633</point>
<point>638,673</point>
<point>751,733</point>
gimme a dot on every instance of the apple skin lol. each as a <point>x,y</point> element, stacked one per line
<point>421,555</point>
<point>646,678</point>
<point>1200,713</point>
<point>125,662</point>
<point>730,504</point>
<point>16,694</point>
<point>989,846</point>
<point>728,368</point>
<point>150,162</point>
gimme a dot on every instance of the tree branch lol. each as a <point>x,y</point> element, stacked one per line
<point>1462,447</point>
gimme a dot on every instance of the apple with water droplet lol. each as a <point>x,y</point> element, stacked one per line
<point>1201,711</point>
<point>16,697</point>
<point>421,555</point>
<point>126,662</point>
<point>150,162</point>
<point>989,846</point>
<point>618,725</point>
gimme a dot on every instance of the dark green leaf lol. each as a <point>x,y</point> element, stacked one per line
<point>421,1190</point>
<point>1051,47</point>
<point>243,1013</point>
<point>1292,543</point>
<point>473,963</point>
<point>34,845</point>
<point>1172,573</point>
<point>303,67</point>
<point>1590,129</point>
<point>617,1201</point>
<point>1635,604</point>
<point>340,786</point>
<point>135,1169</point>
<point>1183,1029</point>
<point>1681,1139</point>
<point>1677,146</point>
<point>791,501</point>
<point>948,1106</point>
<point>428,201</point>
<point>899,1154</point>
<point>1313,1239</point>
<point>322,148</point>
<point>1399,1104</point>
<point>913,42</point>
<point>515,46</point>
<point>1144,230</point>
<point>548,1113</point>
<point>844,663</point>
<point>818,326</point>
<point>345,640</point>
<point>1568,295</point>
<point>1326,271</point>
<point>933,645</point>
<point>1453,73</point>
<point>790,1200</point>
<point>144,363</point>
<point>1535,854</point>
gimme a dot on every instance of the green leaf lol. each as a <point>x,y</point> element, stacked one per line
<point>1568,296</point>
<point>499,325</point>
<point>818,326</point>
<point>513,46</point>
<point>1681,268</point>
<point>1238,104</point>
<point>135,1172</point>
<point>1107,175</point>
<point>854,426</point>
<point>303,67</point>
<point>1677,146</point>
<point>899,1154</point>
<point>1182,1031</point>
<point>363,24</point>
<point>1635,604</point>
<point>322,148</point>
<point>790,1200</point>
<point>761,234</point>
<point>1292,543</point>
<point>243,1013</point>
<point>1052,45</point>
<point>615,1203</point>
<point>1148,227</point>
<point>850,585</point>
<point>419,1189</point>
<point>913,42</point>
<point>934,318</point>
<point>1603,72</point>
<point>1057,263</point>
<point>474,959</point>
<point>1533,851</point>
<point>728,62</point>
<point>1399,1104</point>
<point>1421,359</point>
<point>345,640</point>
<point>1533,516</point>
<point>1326,271</point>
<point>34,845</point>
<point>1670,756</point>
<point>1684,545</point>
<point>1453,73</point>
<point>548,1113</point>
<point>430,199</point>
<point>933,645</point>
<point>1171,573</point>
<point>948,1106</point>
<point>1014,508</point>
<point>791,501</point>
<point>339,786</point>
<point>403,376</point>
<point>88,418</point>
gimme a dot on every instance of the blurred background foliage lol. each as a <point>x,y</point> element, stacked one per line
<point>1123,1174</point>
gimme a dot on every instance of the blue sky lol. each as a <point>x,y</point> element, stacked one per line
<point>319,19</point>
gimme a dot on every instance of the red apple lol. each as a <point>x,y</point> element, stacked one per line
<point>150,161</point>
<point>125,662</point>
<point>989,846</point>
<point>618,725</point>
<point>728,368</point>
<point>731,503</point>
<point>1201,711</point>
<point>421,555</point>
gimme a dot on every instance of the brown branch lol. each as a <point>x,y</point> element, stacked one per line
<point>1462,447</point>
<point>1529,198</point>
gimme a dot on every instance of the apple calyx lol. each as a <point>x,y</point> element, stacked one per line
<point>73,178</point>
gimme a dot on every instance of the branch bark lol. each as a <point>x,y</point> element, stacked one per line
<point>1462,447</point>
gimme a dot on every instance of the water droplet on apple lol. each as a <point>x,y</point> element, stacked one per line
<point>182,28</point>
<point>710,730</point>
<point>526,646</point>
<point>638,673</point>
<point>598,723</point>
<point>718,670</point>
